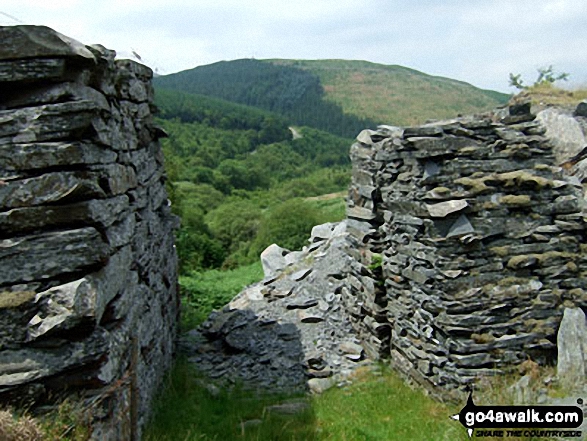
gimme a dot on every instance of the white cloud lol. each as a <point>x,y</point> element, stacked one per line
<point>479,41</point>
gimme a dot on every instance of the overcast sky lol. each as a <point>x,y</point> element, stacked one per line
<point>478,41</point>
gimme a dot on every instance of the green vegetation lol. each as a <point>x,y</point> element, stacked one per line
<point>292,93</point>
<point>369,409</point>
<point>378,405</point>
<point>240,182</point>
<point>374,92</point>
<point>397,95</point>
<point>546,76</point>
<point>232,179</point>
<point>546,93</point>
<point>204,291</point>
<point>66,423</point>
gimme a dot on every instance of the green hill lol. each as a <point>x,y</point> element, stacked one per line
<point>338,96</point>
<point>293,93</point>
<point>234,173</point>
<point>395,95</point>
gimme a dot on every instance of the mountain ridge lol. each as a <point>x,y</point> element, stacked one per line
<point>354,92</point>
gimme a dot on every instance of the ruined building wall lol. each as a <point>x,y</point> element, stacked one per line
<point>88,296</point>
<point>482,243</point>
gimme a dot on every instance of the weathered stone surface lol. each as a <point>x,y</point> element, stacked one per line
<point>300,329</point>
<point>47,122</point>
<point>469,227</point>
<point>47,255</point>
<point>572,348</point>
<point>443,209</point>
<point>54,93</point>
<point>581,109</point>
<point>26,41</point>
<point>96,211</point>
<point>273,259</point>
<point>36,69</point>
<point>21,157</point>
<point>322,232</point>
<point>21,366</point>
<point>564,132</point>
<point>88,269</point>
<point>50,188</point>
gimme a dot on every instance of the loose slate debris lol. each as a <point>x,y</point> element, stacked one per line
<point>280,342</point>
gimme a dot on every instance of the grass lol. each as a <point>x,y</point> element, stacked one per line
<point>375,407</point>
<point>382,407</point>
<point>204,291</point>
<point>545,94</point>
<point>332,206</point>
<point>66,422</point>
<point>187,410</point>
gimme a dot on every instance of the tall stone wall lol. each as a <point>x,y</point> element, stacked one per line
<point>481,239</point>
<point>88,268</point>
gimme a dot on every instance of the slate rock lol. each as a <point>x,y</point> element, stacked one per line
<point>581,109</point>
<point>273,259</point>
<point>46,255</point>
<point>307,316</point>
<point>443,209</point>
<point>572,348</point>
<point>25,41</point>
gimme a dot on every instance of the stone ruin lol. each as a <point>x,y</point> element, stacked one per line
<point>482,243</point>
<point>88,268</point>
<point>463,245</point>
<point>462,250</point>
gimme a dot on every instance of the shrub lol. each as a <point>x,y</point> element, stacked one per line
<point>288,225</point>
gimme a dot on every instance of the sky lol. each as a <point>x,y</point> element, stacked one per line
<point>477,41</point>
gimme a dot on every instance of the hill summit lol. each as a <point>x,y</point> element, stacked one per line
<point>339,96</point>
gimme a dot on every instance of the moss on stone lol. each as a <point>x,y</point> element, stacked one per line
<point>509,281</point>
<point>501,251</point>
<point>441,191</point>
<point>13,299</point>
<point>475,185</point>
<point>541,259</point>
<point>572,266</point>
<point>516,200</point>
<point>521,177</point>
<point>482,338</point>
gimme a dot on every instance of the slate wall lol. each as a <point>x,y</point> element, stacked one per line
<point>482,240</point>
<point>88,268</point>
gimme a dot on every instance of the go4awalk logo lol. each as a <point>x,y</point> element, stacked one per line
<point>528,421</point>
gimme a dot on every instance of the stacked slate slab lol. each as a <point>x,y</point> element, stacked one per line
<point>481,237</point>
<point>88,269</point>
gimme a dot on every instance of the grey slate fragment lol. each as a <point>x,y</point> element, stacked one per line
<point>461,227</point>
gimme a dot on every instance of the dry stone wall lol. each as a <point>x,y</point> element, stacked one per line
<point>88,269</point>
<point>481,238</point>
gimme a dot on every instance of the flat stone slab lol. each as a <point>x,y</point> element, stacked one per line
<point>443,209</point>
<point>27,41</point>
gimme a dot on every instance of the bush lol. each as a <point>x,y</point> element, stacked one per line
<point>289,225</point>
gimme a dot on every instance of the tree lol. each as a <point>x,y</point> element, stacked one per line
<point>546,75</point>
<point>289,225</point>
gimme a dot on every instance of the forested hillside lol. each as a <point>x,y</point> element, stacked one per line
<point>338,96</point>
<point>238,179</point>
<point>395,95</point>
<point>290,92</point>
